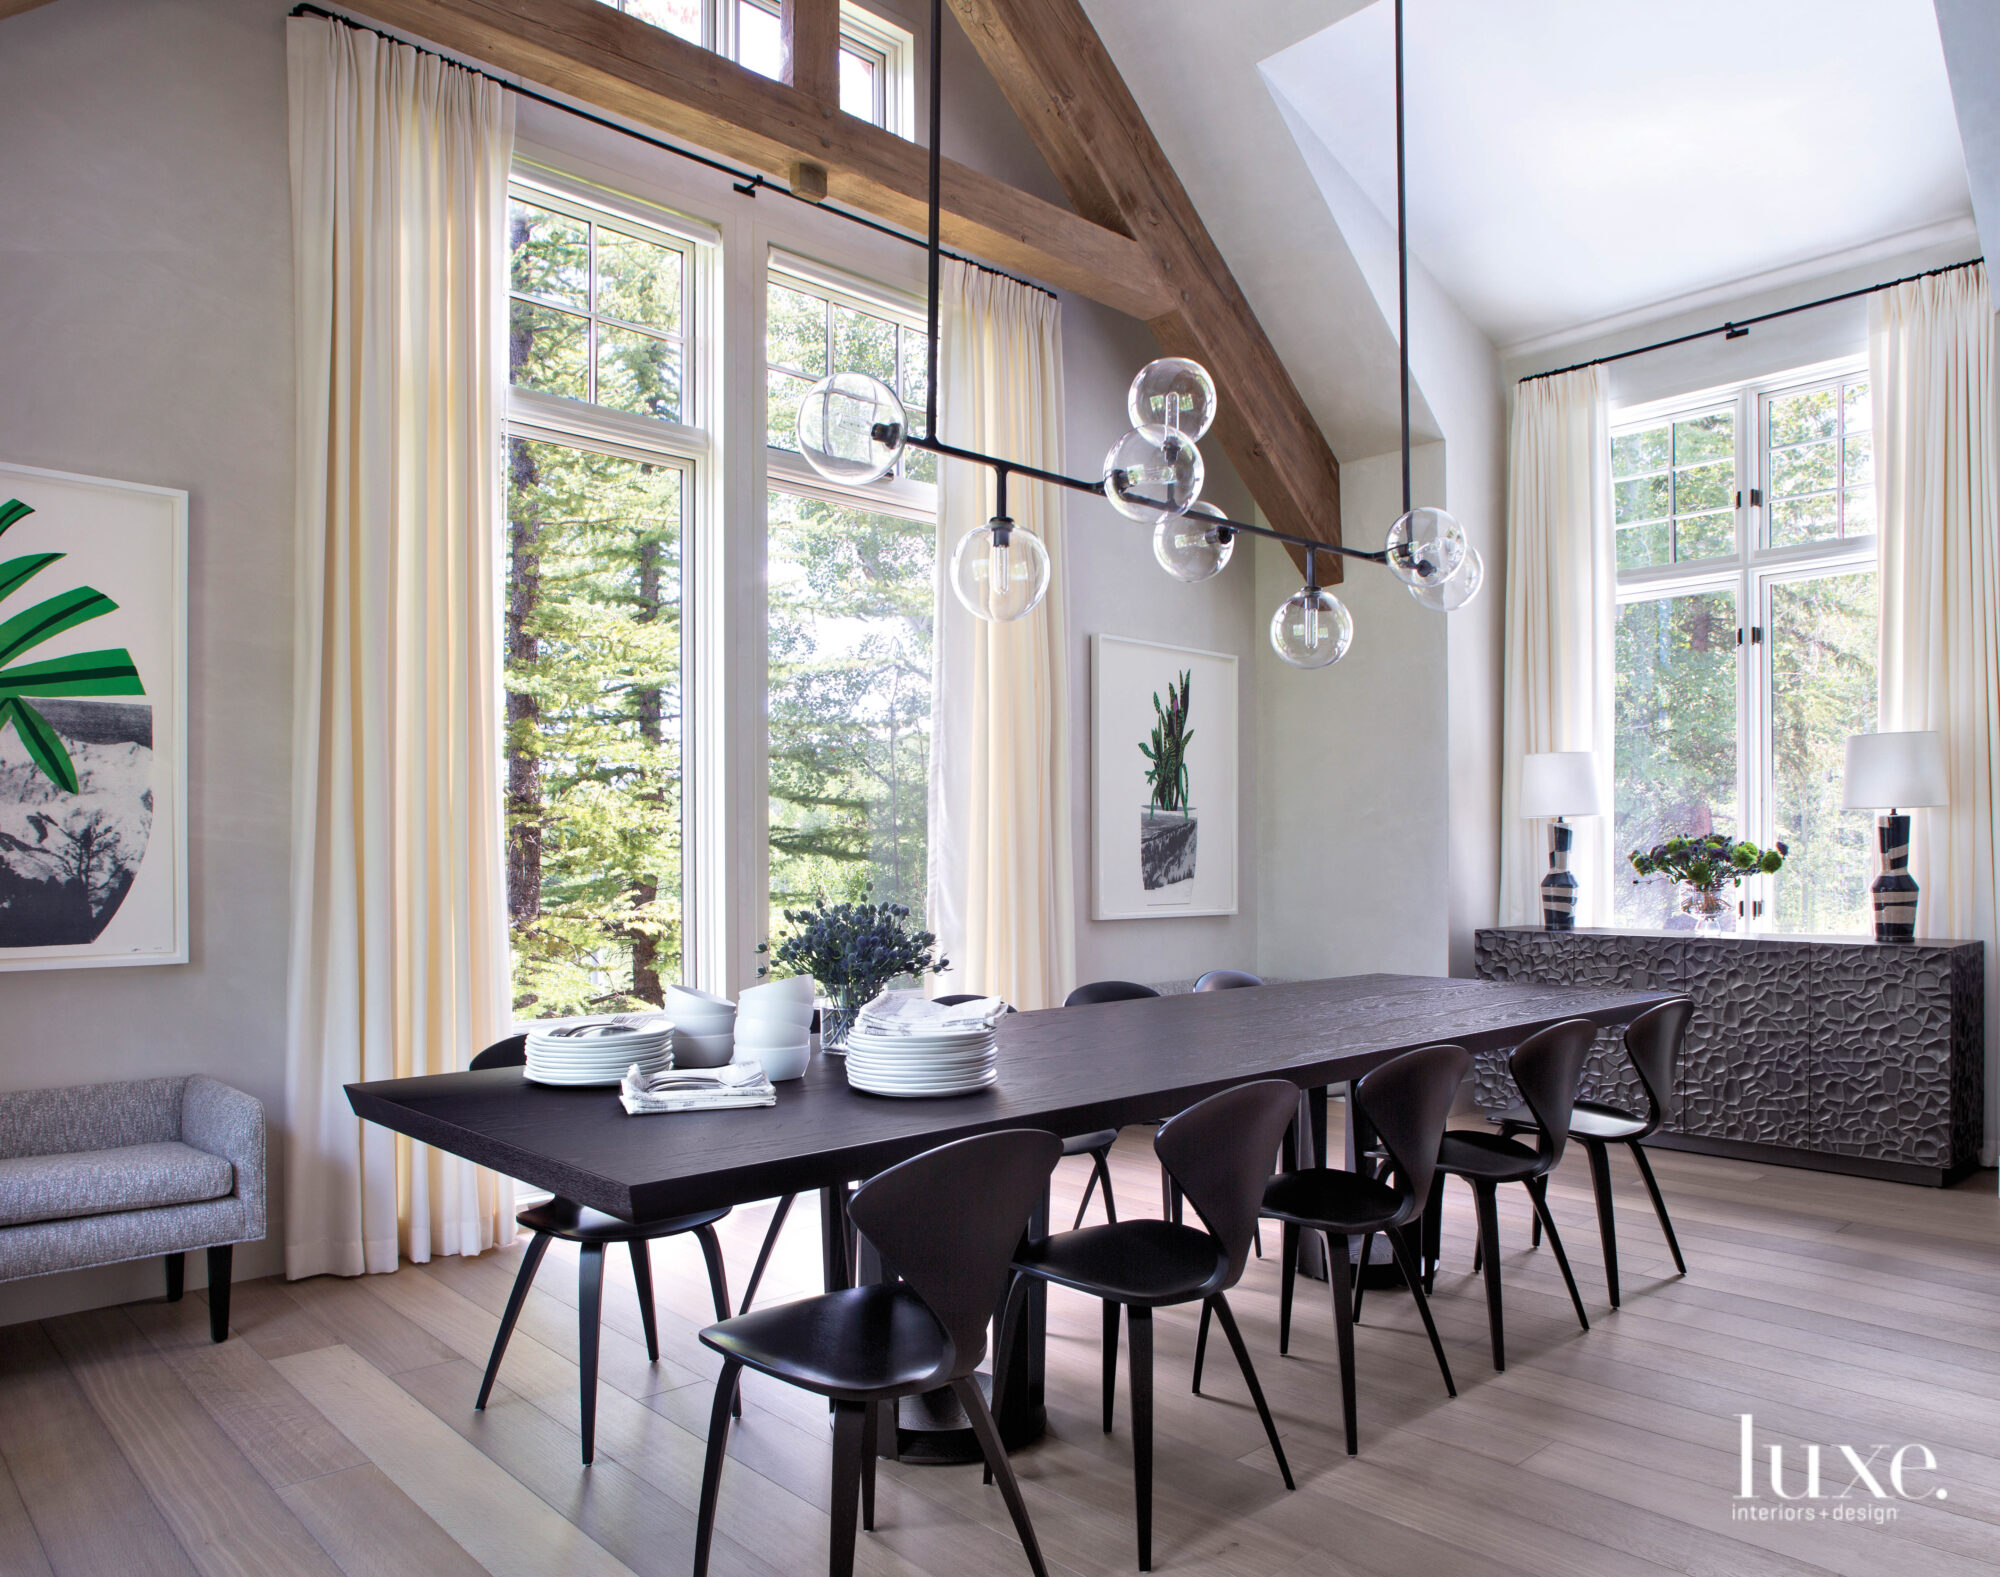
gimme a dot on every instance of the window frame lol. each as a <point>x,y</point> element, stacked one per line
<point>1750,574</point>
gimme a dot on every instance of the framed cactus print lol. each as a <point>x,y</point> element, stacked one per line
<point>1163,744</point>
<point>93,721</point>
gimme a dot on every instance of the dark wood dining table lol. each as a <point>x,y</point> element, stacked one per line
<point>1070,1070</point>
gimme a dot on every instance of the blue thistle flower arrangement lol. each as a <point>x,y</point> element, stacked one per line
<point>853,950</point>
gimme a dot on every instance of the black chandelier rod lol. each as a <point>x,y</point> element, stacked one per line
<point>1402,262</point>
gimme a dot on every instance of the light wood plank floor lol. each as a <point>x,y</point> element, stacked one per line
<point>335,1433</point>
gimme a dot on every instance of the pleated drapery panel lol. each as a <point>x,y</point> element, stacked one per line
<point>1002,883</point>
<point>399,954</point>
<point>1561,590</point>
<point>1930,373</point>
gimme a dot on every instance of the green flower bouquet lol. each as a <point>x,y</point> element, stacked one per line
<point>1705,866</point>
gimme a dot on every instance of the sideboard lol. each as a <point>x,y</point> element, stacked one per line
<point>1840,1054</point>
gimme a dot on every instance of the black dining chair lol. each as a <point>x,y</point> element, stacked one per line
<point>1653,1041</point>
<point>1546,1067</point>
<point>1085,995</point>
<point>1219,1152</point>
<point>1226,980</point>
<point>591,1230</point>
<point>945,1224</point>
<point>1407,1100</point>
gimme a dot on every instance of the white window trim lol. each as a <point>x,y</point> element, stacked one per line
<point>893,50</point>
<point>1750,574</point>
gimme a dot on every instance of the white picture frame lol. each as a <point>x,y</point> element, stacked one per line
<point>1148,863</point>
<point>69,871</point>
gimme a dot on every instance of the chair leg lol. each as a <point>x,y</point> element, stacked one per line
<point>1433,1242</point>
<point>1538,1190</point>
<point>1201,1348</point>
<point>871,1440</point>
<point>1101,1165</point>
<point>1089,1188</point>
<point>530,1263</point>
<point>849,1422</point>
<point>1139,1327</point>
<point>219,1261</point>
<point>1535,1232</point>
<point>718,1286</point>
<point>1227,1320</point>
<point>1360,1277</point>
<point>1489,1243</point>
<point>997,1465</point>
<point>1659,1204</point>
<point>764,1253</point>
<point>1110,1360</point>
<point>1607,1219</point>
<point>642,1278</point>
<point>176,1277</point>
<point>1257,1236</point>
<point>1406,1256</point>
<point>1340,1278</point>
<point>711,1471</point>
<point>1288,1277</point>
<point>589,1323</point>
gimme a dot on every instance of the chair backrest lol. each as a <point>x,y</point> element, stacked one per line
<point>1226,980</point>
<point>1547,1067</point>
<point>966,996</point>
<point>509,1053</point>
<point>1219,1152</point>
<point>949,1222</point>
<point>1107,991</point>
<point>1408,1100</point>
<point>1653,1041</point>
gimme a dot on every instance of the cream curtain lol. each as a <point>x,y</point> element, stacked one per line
<point>1561,588</point>
<point>1930,370</point>
<point>399,943</point>
<point>1001,879</point>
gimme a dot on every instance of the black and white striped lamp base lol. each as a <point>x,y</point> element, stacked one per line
<point>1559,886</point>
<point>1895,890</point>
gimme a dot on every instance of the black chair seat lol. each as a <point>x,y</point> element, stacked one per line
<point>1488,1156</point>
<point>1086,1143</point>
<point>873,1342</point>
<point>574,1223</point>
<point>1143,1262</point>
<point>1589,1120</point>
<point>1337,1201</point>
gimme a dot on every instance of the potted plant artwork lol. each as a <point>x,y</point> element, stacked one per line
<point>1704,866</point>
<point>1167,822</point>
<point>853,951</point>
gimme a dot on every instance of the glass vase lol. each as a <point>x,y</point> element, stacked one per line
<point>1708,906</point>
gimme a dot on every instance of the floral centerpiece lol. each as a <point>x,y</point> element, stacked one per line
<point>853,950</point>
<point>1705,866</point>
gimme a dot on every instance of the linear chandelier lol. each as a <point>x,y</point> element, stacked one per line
<point>852,429</point>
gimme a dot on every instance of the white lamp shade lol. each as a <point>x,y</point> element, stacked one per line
<point>1895,771</point>
<point>1560,783</point>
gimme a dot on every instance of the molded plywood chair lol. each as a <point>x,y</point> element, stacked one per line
<point>944,1224</point>
<point>1083,996</point>
<point>1226,980</point>
<point>591,1230</point>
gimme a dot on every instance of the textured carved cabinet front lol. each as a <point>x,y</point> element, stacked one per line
<point>1831,1047</point>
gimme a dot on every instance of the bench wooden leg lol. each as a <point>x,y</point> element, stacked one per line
<point>176,1276</point>
<point>218,1291</point>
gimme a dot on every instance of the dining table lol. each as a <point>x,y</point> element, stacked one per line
<point>1068,1070</point>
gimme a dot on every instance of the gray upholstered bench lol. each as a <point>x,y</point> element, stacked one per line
<point>97,1173</point>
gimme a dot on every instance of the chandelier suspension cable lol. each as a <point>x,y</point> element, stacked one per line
<point>1402,262</point>
<point>936,215</point>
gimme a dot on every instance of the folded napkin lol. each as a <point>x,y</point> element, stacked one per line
<point>911,1013</point>
<point>696,1089</point>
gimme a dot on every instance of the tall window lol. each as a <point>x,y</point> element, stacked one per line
<point>852,579</point>
<point>1745,637</point>
<point>601,459</point>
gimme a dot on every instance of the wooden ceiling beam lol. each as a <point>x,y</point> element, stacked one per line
<point>617,63</point>
<point>1061,81</point>
<point>811,31</point>
<point>16,7</point>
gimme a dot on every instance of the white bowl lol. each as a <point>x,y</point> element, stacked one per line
<point>702,1051</point>
<point>762,1033</point>
<point>766,1010</point>
<point>779,1063</point>
<point>799,988</point>
<point>686,998</point>
<point>704,1022</point>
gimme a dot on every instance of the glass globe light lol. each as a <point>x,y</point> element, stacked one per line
<point>1000,571</point>
<point>1192,547</point>
<point>1425,545</point>
<point>851,427</point>
<point>1173,393</point>
<point>1445,595</point>
<point>1311,629</point>
<point>1152,471</point>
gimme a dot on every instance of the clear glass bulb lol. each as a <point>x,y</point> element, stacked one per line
<point>1461,588</point>
<point>1173,393</point>
<point>1000,571</point>
<point>1426,545</point>
<point>851,427</point>
<point>1191,547</point>
<point>1152,471</point>
<point>1312,629</point>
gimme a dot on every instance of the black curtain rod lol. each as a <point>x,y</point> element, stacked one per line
<point>748,182</point>
<point>1742,326</point>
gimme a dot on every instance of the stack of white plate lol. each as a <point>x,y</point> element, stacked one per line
<point>921,1066</point>
<point>594,1054</point>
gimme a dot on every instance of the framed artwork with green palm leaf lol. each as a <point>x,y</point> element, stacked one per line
<point>93,733</point>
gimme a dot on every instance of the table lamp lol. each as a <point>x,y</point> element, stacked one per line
<point>1891,773</point>
<point>1559,783</point>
